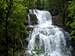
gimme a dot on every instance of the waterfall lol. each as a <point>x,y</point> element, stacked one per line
<point>47,39</point>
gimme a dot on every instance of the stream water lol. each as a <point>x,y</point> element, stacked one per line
<point>47,39</point>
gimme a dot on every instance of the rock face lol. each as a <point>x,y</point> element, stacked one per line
<point>33,19</point>
<point>57,20</point>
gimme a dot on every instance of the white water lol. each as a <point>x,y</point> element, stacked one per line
<point>47,39</point>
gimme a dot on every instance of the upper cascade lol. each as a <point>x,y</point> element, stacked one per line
<point>44,17</point>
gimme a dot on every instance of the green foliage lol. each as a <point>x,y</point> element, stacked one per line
<point>70,21</point>
<point>37,51</point>
<point>17,26</point>
<point>13,23</point>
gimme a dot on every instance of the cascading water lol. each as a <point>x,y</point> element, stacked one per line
<point>47,39</point>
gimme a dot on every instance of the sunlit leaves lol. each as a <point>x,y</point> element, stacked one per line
<point>73,25</point>
<point>71,16</point>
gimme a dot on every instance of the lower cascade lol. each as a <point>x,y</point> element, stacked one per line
<point>47,39</point>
